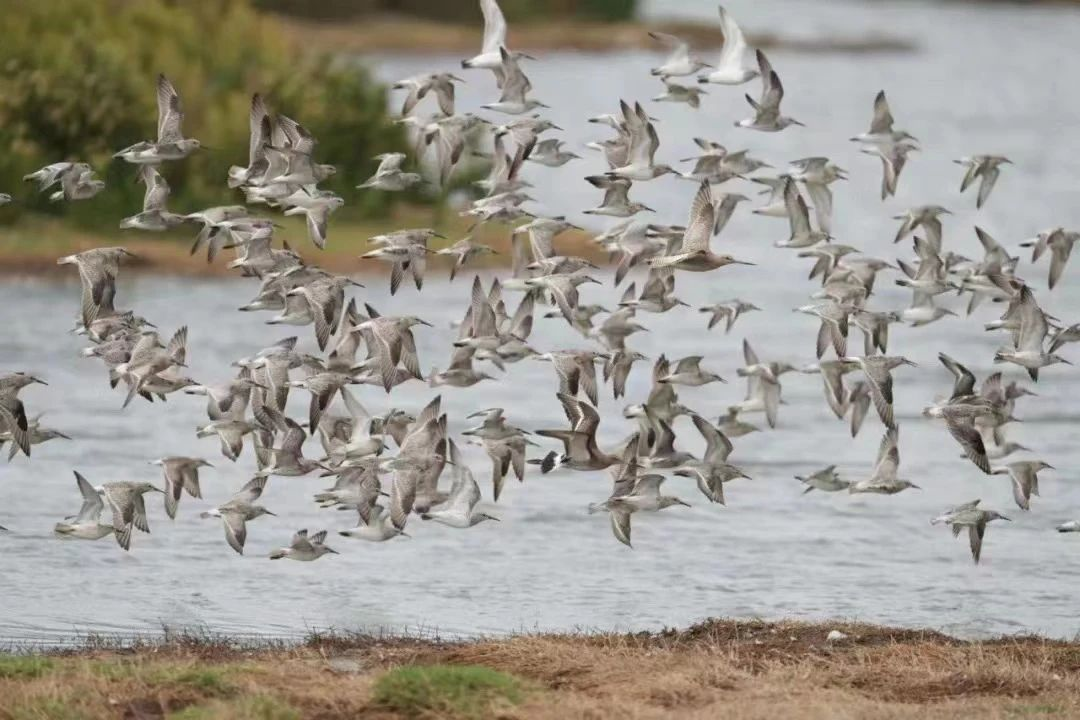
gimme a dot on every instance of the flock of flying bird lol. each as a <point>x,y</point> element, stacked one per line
<point>357,447</point>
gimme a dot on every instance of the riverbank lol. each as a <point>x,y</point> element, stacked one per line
<point>715,669</point>
<point>31,247</point>
<point>396,34</point>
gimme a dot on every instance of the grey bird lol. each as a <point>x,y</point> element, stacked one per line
<point>239,509</point>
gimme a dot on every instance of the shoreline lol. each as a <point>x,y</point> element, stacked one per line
<point>740,669</point>
<point>395,34</point>
<point>31,247</point>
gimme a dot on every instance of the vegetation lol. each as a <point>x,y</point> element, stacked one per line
<point>730,669</point>
<point>78,81</point>
<point>463,691</point>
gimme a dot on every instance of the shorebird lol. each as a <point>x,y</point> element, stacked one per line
<point>580,451</point>
<point>389,177</point>
<point>730,68</point>
<point>767,116</point>
<point>418,86</point>
<point>515,86</point>
<point>181,473</point>
<point>969,516</point>
<point>640,493</point>
<point>712,470</point>
<point>1060,243</point>
<point>927,217</point>
<point>877,370</point>
<point>688,372</point>
<point>802,234</point>
<point>1030,352</point>
<point>12,412</point>
<point>171,143</point>
<point>881,126</point>
<point>98,269</point>
<point>125,500</point>
<point>463,251</point>
<point>728,311</point>
<point>238,510</point>
<point>1025,479</point>
<point>576,369</point>
<point>154,216</point>
<point>643,141</point>
<point>459,510</point>
<point>679,62</point>
<point>87,524</point>
<point>35,434</point>
<point>288,457</point>
<point>674,92</point>
<point>694,253</point>
<point>817,173</point>
<point>732,426</point>
<point>304,548</point>
<point>825,480</point>
<point>494,40</point>
<point>884,480</point>
<point>893,158</point>
<point>550,153</point>
<point>1069,526</point>
<point>377,527</point>
<point>616,202</point>
<point>984,168</point>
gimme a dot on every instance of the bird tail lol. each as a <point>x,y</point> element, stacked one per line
<point>277,554</point>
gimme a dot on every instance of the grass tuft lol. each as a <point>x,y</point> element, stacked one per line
<point>256,707</point>
<point>24,667</point>
<point>463,691</point>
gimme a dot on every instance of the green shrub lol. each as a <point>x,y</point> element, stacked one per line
<point>464,691</point>
<point>459,11</point>
<point>77,81</point>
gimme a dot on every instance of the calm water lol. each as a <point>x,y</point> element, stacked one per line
<point>548,565</point>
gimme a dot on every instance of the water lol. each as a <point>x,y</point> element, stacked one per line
<point>772,552</point>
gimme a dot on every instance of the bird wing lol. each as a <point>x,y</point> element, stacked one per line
<point>170,114</point>
<point>731,54</point>
<point>882,121</point>
<point>700,225</point>
<point>494,26</point>
<point>92,502</point>
<point>963,430</point>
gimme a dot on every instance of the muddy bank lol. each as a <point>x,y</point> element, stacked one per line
<point>718,668</point>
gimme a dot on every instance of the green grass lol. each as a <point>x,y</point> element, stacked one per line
<point>463,691</point>
<point>211,682</point>
<point>256,707</point>
<point>24,667</point>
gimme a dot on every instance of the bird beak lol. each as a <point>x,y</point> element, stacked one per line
<point>743,262</point>
<point>270,513</point>
<point>682,502</point>
<point>425,322</point>
<point>39,381</point>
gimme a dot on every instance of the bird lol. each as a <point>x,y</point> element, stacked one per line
<point>87,524</point>
<point>171,143</point>
<point>825,480</point>
<point>730,68</point>
<point>985,169</point>
<point>884,480</point>
<point>459,510</point>
<point>304,548</point>
<point>767,116</point>
<point>238,510</point>
<point>125,501</point>
<point>388,175</point>
<point>881,130</point>
<point>693,253</point>
<point>181,474</point>
<point>679,62</point>
<point>1025,479</point>
<point>972,517</point>
<point>728,311</point>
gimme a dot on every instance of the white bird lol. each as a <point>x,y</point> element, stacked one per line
<point>731,68</point>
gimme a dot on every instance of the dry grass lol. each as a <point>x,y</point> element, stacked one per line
<point>390,34</point>
<point>716,669</point>
<point>32,246</point>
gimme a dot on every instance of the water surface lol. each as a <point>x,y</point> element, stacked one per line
<point>986,79</point>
